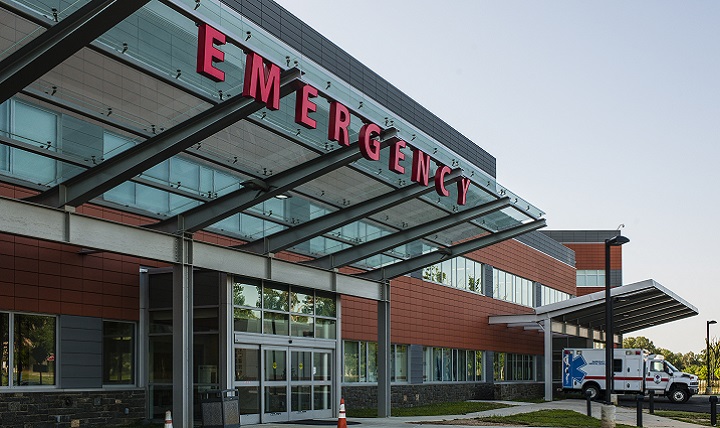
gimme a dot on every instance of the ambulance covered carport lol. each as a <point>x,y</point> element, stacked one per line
<point>635,306</point>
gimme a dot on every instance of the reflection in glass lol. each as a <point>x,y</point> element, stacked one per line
<point>301,396</point>
<point>275,297</point>
<point>161,359</point>
<point>246,320</point>
<point>372,362</point>
<point>206,358</point>
<point>301,366</point>
<point>461,363</point>
<point>249,398</point>
<point>34,350</point>
<point>302,303</point>
<point>324,329</point>
<point>5,349</point>
<point>118,352</point>
<point>323,368</point>
<point>478,365</point>
<point>400,362</point>
<point>322,397</point>
<point>247,364</point>
<point>275,364</point>
<point>247,295</point>
<point>325,305</point>
<point>301,326</point>
<point>275,323</point>
<point>275,399</point>
<point>351,356</point>
<point>160,321</point>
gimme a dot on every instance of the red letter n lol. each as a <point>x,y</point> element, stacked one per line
<point>420,167</point>
<point>262,76</point>
<point>208,37</point>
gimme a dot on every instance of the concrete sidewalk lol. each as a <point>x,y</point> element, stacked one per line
<point>623,415</point>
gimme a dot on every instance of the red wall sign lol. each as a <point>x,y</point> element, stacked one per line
<point>262,82</point>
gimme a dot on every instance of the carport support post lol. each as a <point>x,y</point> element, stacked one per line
<point>182,342</point>
<point>384,354</point>
<point>547,327</point>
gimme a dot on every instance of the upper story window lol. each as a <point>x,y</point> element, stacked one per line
<point>458,272</point>
<point>590,278</point>
<point>279,309</point>
<point>513,288</point>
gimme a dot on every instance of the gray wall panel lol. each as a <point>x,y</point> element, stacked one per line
<point>80,352</point>
<point>416,364</point>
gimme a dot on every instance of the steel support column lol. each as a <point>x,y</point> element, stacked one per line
<point>384,352</point>
<point>110,173</point>
<point>547,335</point>
<point>182,342</point>
<point>60,42</point>
<point>410,265</point>
<point>287,238</point>
<point>370,248</point>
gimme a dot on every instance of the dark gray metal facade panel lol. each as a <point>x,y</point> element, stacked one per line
<point>80,346</point>
<point>540,241</point>
<point>580,236</point>
<point>616,277</point>
<point>416,364</point>
<point>298,35</point>
<point>538,294</point>
<point>487,280</point>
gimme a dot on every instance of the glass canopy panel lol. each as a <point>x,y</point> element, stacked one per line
<point>236,27</point>
<point>24,31</point>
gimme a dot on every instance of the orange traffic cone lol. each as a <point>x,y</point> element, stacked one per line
<point>342,422</point>
<point>168,420</point>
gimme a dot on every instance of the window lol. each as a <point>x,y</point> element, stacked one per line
<point>360,361</point>
<point>590,278</point>
<point>451,365</point>
<point>118,353</point>
<point>514,367</point>
<point>459,272</point>
<point>5,351</point>
<point>617,365</point>
<point>28,350</point>
<point>513,288</point>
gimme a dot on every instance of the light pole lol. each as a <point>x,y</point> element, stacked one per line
<point>615,241</point>
<point>708,388</point>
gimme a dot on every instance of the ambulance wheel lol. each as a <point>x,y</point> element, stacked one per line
<point>592,389</point>
<point>679,395</point>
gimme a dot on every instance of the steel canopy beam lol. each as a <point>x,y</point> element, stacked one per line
<point>639,325</point>
<point>598,313</point>
<point>126,165</point>
<point>301,233</point>
<point>239,200</point>
<point>370,248</point>
<point>406,266</point>
<point>60,42</point>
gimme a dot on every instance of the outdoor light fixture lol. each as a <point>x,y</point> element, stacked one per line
<point>708,387</point>
<point>615,241</point>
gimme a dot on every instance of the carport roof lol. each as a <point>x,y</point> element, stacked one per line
<point>635,307</point>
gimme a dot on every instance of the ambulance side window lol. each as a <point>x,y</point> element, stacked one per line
<point>617,365</point>
<point>657,366</point>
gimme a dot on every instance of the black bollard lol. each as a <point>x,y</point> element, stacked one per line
<point>640,399</point>
<point>713,410</point>
<point>588,394</point>
<point>652,402</point>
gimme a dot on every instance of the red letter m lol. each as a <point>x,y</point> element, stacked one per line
<point>265,76</point>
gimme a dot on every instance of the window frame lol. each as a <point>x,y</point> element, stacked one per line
<point>134,358</point>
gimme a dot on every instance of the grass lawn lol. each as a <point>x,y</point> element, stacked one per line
<point>549,418</point>
<point>456,408</point>
<point>691,417</point>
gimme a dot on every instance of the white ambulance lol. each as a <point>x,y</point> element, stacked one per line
<point>635,371</point>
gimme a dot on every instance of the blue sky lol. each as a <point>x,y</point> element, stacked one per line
<point>599,113</point>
